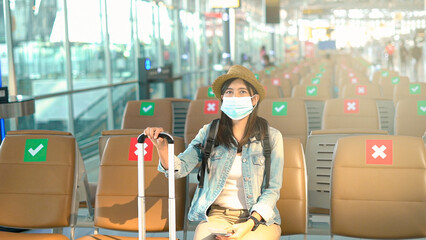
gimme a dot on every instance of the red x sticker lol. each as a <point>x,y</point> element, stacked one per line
<point>276,81</point>
<point>379,152</point>
<point>134,147</point>
<point>211,107</point>
<point>361,90</point>
<point>351,106</point>
<point>354,80</point>
<point>286,75</point>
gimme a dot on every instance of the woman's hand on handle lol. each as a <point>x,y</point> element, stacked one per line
<point>160,143</point>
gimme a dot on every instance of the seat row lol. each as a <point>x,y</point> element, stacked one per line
<point>378,188</point>
<point>41,176</point>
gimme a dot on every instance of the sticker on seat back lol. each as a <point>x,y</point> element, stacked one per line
<point>361,90</point>
<point>147,108</point>
<point>279,109</point>
<point>35,150</point>
<point>210,92</point>
<point>421,108</point>
<point>415,89</point>
<point>379,152</point>
<point>135,147</point>
<point>276,81</point>
<point>211,107</point>
<point>351,106</point>
<point>311,91</point>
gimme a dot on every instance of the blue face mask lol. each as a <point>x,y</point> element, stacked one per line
<point>237,108</point>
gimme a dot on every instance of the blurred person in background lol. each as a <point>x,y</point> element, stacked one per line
<point>417,53</point>
<point>403,55</point>
<point>390,49</point>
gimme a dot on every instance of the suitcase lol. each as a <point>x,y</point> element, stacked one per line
<point>141,187</point>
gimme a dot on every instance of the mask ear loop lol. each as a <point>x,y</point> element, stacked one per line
<point>257,101</point>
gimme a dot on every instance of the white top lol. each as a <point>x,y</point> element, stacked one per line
<point>232,195</point>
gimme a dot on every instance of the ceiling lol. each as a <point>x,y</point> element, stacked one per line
<point>392,5</point>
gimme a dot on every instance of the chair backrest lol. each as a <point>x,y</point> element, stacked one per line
<point>410,117</point>
<point>39,174</point>
<point>280,82</point>
<point>205,92</point>
<point>361,90</point>
<point>388,84</point>
<point>313,79</point>
<point>273,91</point>
<point>288,115</point>
<point>116,197</point>
<point>379,187</point>
<point>292,204</point>
<point>342,113</point>
<point>311,92</point>
<point>200,112</point>
<point>169,113</point>
<point>412,90</point>
<point>383,74</point>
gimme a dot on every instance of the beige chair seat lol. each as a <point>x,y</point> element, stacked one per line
<point>32,236</point>
<point>108,237</point>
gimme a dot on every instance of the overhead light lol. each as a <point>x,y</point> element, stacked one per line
<point>341,13</point>
<point>375,14</point>
<point>356,13</point>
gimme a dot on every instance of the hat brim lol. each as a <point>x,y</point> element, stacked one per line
<point>218,83</point>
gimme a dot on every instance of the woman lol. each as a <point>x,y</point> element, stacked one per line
<point>234,198</point>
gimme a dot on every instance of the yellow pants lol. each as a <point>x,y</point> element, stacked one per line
<point>222,218</point>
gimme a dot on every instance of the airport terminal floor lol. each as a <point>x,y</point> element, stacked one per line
<point>344,83</point>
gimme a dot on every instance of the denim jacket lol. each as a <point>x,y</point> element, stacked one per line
<point>258,199</point>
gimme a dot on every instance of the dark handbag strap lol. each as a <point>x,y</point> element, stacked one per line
<point>206,152</point>
<point>267,154</point>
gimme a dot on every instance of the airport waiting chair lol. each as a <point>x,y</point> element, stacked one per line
<point>280,82</point>
<point>288,115</point>
<point>314,97</point>
<point>379,188</point>
<point>314,79</point>
<point>292,204</point>
<point>373,91</point>
<point>410,117</point>
<point>200,112</point>
<point>388,84</point>
<point>383,74</point>
<point>341,118</point>
<point>343,113</point>
<point>361,90</point>
<point>273,91</point>
<point>413,90</point>
<point>169,113</point>
<point>45,179</point>
<point>205,92</point>
<point>292,77</point>
<point>116,205</point>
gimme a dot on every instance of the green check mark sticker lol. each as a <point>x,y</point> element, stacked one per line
<point>147,108</point>
<point>385,73</point>
<point>279,109</point>
<point>35,150</point>
<point>311,91</point>
<point>319,75</point>
<point>395,80</point>
<point>315,80</point>
<point>415,89</point>
<point>210,92</point>
<point>421,108</point>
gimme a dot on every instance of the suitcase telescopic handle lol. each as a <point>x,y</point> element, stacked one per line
<point>168,137</point>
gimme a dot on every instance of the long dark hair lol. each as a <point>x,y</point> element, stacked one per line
<point>256,126</point>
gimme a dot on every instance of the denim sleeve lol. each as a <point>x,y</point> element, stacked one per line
<point>185,162</point>
<point>268,199</point>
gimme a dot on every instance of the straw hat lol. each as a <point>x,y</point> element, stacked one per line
<point>238,71</point>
